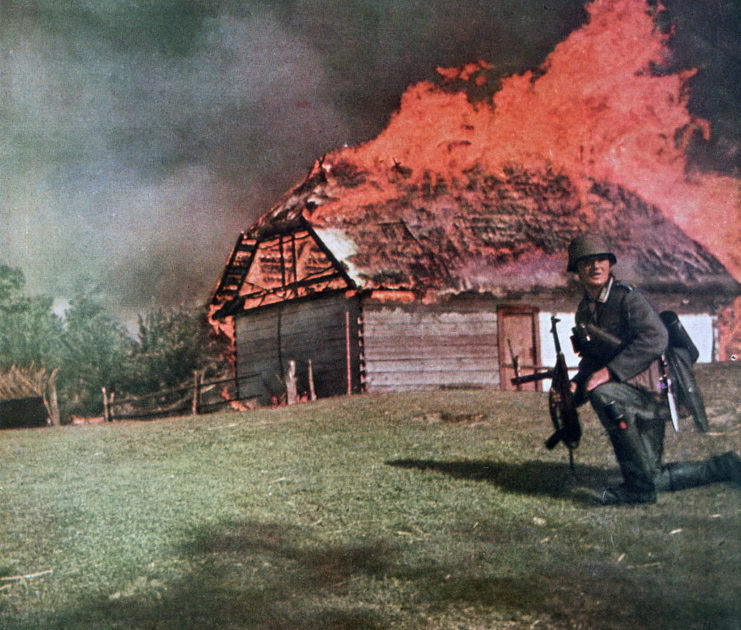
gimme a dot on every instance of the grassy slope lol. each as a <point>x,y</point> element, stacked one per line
<point>437,510</point>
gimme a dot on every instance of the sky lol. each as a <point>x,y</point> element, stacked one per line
<point>137,138</point>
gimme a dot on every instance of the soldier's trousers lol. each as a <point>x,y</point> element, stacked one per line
<point>635,421</point>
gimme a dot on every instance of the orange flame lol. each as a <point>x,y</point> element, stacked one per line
<point>236,405</point>
<point>595,111</point>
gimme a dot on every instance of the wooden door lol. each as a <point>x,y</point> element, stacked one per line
<point>518,340</point>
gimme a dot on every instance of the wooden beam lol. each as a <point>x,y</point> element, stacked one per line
<point>348,355</point>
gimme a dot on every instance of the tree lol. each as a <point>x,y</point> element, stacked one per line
<point>94,351</point>
<point>87,349</point>
<point>30,332</point>
<point>171,344</point>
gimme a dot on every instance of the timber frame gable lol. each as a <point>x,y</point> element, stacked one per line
<point>268,267</point>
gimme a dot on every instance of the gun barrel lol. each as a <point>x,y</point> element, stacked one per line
<point>531,378</point>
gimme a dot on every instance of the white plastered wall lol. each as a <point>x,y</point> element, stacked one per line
<point>701,329</point>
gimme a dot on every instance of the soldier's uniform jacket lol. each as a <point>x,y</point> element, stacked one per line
<point>624,312</point>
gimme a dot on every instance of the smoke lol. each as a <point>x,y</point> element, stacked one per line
<point>139,138</point>
<point>133,168</point>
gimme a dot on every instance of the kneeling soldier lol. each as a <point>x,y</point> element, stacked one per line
<point>624,387</point>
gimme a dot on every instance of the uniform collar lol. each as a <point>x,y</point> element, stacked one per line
<point>604,292</point>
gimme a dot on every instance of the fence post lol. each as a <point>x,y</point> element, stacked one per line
<point>106,410</point>
<point>196,393</point>
<point>51,390</point>
<point>291,383</point>
<point>312,391</point>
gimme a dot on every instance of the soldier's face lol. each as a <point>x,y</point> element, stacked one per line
<point>594,271</point>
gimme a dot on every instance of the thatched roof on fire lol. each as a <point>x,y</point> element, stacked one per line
<point>502,235</point>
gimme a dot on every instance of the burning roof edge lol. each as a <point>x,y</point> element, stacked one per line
<point>372,256</point>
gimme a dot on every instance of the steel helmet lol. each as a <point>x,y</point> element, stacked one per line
<point>586,246</point>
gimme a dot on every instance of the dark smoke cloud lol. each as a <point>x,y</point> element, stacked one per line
<point>138,138</point>
<point>707,37</point>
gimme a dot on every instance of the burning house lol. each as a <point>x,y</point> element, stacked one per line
<point>434,254</point>
<point>443,286</point>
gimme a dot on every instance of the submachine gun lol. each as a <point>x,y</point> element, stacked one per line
<point>561,404</point>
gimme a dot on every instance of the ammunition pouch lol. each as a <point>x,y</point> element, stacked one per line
<point>580,339</point>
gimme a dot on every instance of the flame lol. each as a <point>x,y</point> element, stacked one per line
<point>594,111</point>
<point>221,326</point>
<point>467,72</point>
<point>236,405</point>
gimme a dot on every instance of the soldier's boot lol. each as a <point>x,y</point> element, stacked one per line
<point>683,475</point>
<point>635,464</point>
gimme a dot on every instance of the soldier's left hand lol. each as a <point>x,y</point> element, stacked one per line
<point>600,377</point>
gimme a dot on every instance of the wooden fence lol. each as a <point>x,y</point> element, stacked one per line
<point>193,398</point>
<point>197,397</point>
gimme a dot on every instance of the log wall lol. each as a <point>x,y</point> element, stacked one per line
<point>301,330</point>
<point>416,346</point>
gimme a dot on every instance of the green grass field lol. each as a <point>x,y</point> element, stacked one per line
<point>419,511</point>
